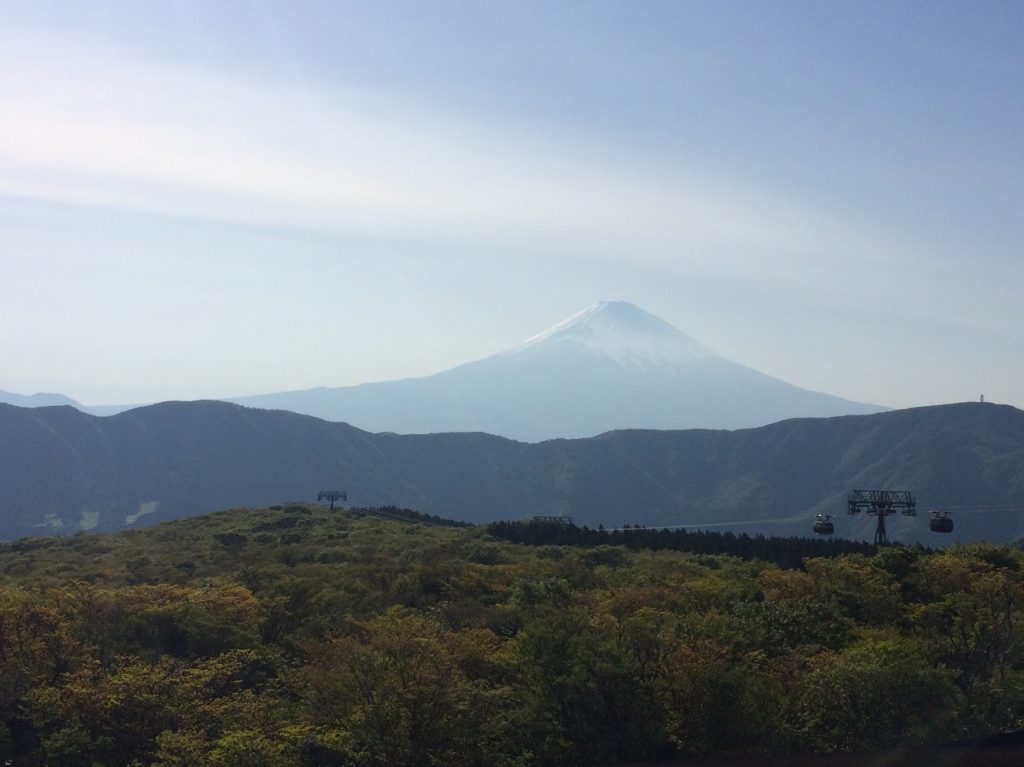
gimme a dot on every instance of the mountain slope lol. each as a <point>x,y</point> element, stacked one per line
<point>612,366</point>
<point>40,399</point>
<point>64,470</point>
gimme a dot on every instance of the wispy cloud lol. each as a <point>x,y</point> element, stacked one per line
<point>214,144</point>
<point>181,141</point>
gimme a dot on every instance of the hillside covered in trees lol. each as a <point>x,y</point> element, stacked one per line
<point>64,471</point>
<point>299,637</point>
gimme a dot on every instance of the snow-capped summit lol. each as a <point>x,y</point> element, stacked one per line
<point>627,334</point>
<point>611,366</point>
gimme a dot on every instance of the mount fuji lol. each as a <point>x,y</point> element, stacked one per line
<point>611,366</point>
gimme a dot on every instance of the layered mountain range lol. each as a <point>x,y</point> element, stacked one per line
<point>62,470</point>
<point>612,366</point>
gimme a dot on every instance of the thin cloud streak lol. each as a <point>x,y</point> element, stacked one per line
<point>215,145</point>
<point>204,144</point>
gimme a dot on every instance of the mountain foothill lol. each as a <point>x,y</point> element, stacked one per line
<point>65,471</point>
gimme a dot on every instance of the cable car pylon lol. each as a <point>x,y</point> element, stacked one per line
<point>881,504</point>
<point>884,503</point>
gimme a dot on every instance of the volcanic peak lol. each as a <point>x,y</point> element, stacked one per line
<point>624,332</point>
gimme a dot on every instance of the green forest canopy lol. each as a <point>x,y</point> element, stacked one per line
<point>303,637</point>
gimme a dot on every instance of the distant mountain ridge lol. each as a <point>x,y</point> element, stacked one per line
<point>611,366</point>
<point>40,399</point>
<point>51,399</point>
<point>63,470</point>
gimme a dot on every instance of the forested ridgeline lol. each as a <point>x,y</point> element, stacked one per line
<point>405,515</point>
<point>66,470</point>
<point>786,552</point>
<point>306,637</point>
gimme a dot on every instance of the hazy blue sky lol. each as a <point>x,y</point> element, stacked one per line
<point>203,199</point>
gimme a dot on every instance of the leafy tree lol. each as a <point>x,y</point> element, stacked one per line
<point>880,691</point>
<point>580,690</point>
<point>397,691</point>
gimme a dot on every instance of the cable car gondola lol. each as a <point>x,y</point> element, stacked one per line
<point>941,522</point>
<point>823,524</point>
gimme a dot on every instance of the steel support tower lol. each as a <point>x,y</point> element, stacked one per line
<point>332,496</point>
<point>881,504</point>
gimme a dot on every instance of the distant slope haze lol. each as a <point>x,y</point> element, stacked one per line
<point>612,366</point>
